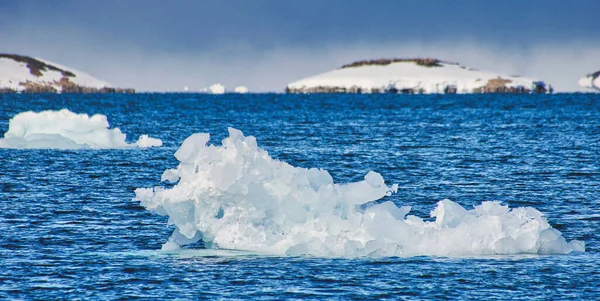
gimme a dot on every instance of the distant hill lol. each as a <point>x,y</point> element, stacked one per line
<point>414,75</point>
<point>591,81</point>
<point>24,74</point>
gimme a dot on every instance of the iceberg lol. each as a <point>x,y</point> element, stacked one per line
<point>67,130</point>
<point>235,196</point>
<point>241,89</point>
<point>216,89</point>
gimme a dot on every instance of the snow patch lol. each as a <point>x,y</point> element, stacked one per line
<point>66,130</point>
<point>81,78</point>
<point>235,196</point>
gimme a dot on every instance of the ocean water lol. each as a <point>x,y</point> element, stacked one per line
<point>70,229</point>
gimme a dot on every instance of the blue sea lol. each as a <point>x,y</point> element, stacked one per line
<point>70,228</point>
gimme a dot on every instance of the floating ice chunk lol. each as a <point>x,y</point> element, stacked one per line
<point>177,239</point>
<point>448,213</point>
<point>396,212</point>
<point>146,141</point>
<point>66,130</point>
<point>577,246</point>
<point>241,90</point>
<point>190,147</point>
<point>318,177</point>
<point>170,175</point>
<point>374,179</point>
<point>492,208</point>
<point>235,196</point>
<point>216,89</point>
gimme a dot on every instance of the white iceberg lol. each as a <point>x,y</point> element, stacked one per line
<point>236,196</point>
<point>145,141</point>
<point>66,130</point>
<point>216,89</point>
<point>241,89</point>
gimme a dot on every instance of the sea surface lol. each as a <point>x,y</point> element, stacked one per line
<point>70,229</point>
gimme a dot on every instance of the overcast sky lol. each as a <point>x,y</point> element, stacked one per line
<point>157,45</point>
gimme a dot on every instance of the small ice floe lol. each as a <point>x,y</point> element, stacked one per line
<point>67,130</point>
<point>241,89</point>
<point>216,89</point>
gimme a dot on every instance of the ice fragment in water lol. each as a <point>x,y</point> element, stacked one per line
<point>235,196</point>
<point>66,130</point>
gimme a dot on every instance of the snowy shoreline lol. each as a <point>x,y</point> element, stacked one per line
<point>409,76</point>
<point>23,74</point>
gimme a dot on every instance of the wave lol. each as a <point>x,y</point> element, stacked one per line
<point>235,196</point>
<point>66,130</point>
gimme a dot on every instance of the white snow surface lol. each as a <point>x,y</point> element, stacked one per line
<point>235,196</point>
<point>13,73</point>
<point>589,81</point>
<point>216,89</point>
<point>66,130</point>
<point>241,89</point>
<point>407,75</point>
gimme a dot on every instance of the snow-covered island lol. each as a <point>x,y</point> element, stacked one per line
<point>23,74</point>
<point>416,75</point>
<point>591,81</point>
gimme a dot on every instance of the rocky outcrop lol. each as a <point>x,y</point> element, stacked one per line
<point>36,66</point>
<point>501,85</point>
<point>23,74</point>
<point>323,89</point>
<point>425,62</point>
<point>591,81</point>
